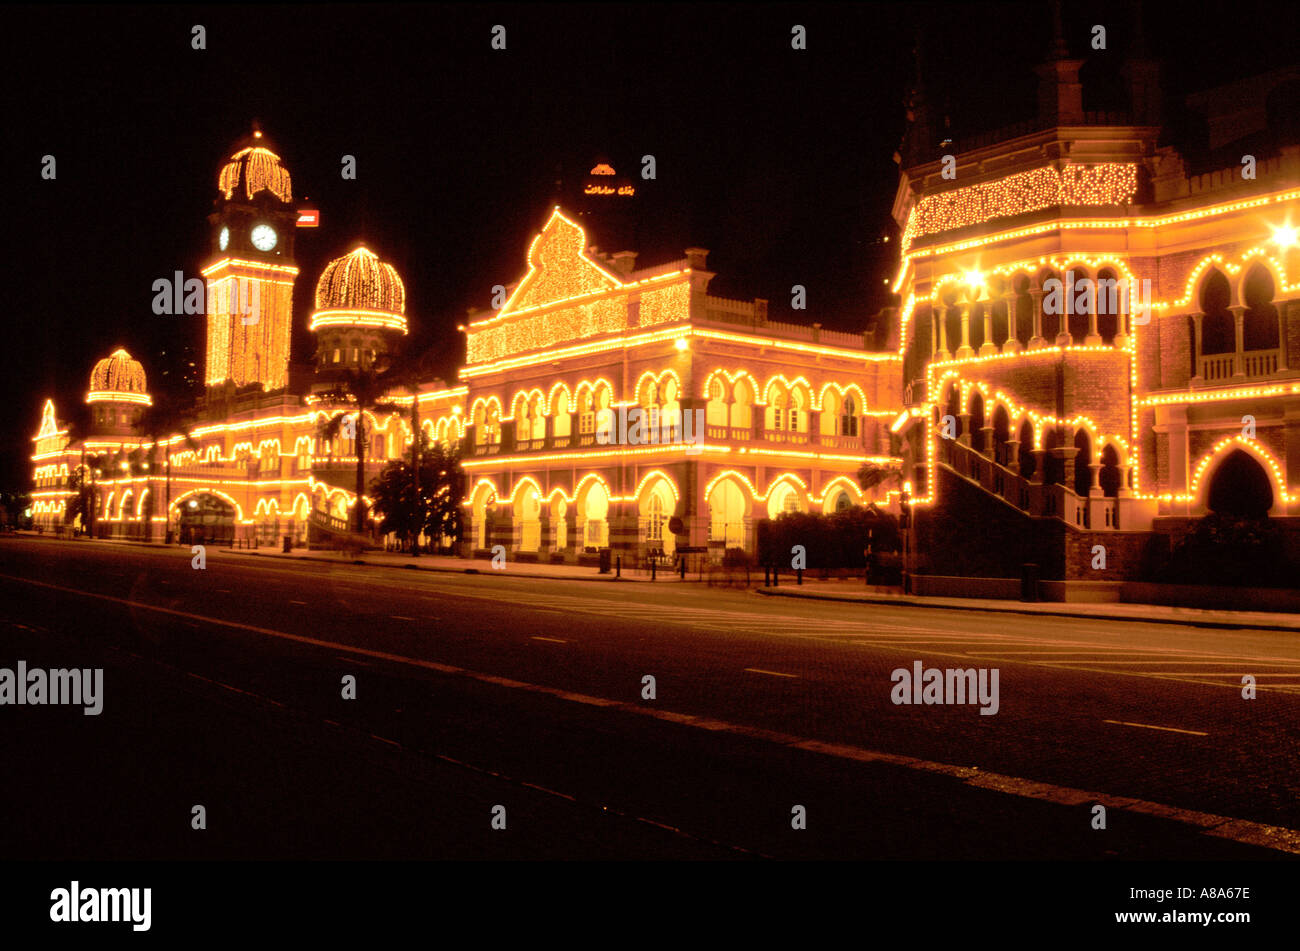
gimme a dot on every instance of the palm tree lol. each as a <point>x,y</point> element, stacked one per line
<point>161,420</point>
<point>409,371</point>
<point>872,474</point>
<point>366,389</point>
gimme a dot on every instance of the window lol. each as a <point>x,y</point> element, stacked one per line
<point>849,418</point>
<point>655,529</point>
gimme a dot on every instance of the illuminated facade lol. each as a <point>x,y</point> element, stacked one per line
<point>259,468</point>
<point>741,417</point>
<point>251,274</point>
<point>1093,338</point>
<point>751,417</point>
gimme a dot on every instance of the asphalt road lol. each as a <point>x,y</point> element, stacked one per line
<point>223,688</point>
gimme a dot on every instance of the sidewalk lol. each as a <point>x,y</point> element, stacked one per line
<point>847,590</point>
<point>854,591</point>
<point>454,565</point>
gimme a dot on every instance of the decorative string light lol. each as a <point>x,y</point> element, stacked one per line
<point>260,170</point>
<point>1108,183</point>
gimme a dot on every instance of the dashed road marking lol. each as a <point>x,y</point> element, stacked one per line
<point>771,673</point>
<point>1152,726</point>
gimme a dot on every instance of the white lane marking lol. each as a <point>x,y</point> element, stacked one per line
<point>297,602</point>
<point>771,673</point>
<point>401,617</point>
<point>1245,831</point>
<point>1152,726</point>
<point>553,640</point>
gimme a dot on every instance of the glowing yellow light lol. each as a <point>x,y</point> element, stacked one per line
<point>1284,236</point>
<point>260,170</point>
<point>682,343</point>
<point>358,288</point>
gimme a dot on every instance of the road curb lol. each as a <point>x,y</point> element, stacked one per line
<point>418,567</point>
<point>1001,609</point>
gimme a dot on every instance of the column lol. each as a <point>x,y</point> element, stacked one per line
<point>1095,488</point>
<point>1282,354</point>
<point>988,346</point>
<point>987,444</point>
<point>965,437</point>
<point>1238,356</point>
<point>1013,455</point>
<point>965,350</point>
<point>1012,344</point>
<point>943,335</point>
<point>1196,343</point>
<point>1040,456</point>
<point>1067,456</point>
<point>1093,337</point>
<point>1036,295</point>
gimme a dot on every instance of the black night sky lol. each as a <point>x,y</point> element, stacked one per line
<point>778,161</point>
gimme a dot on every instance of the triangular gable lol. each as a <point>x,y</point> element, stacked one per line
<point>559,268</point>
<point>49,425</point>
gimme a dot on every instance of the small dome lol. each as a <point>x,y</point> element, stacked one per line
<point>361,290</point>
<point>255,168</point>
<point>118,378</point>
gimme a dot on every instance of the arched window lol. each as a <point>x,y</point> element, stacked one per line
<point>716,410</point>
<point>1082,459</point>
<point>742,406</point>
<point>1218,330</point>
<point>849,417</point>
<point>563,421</point>
<point>1259,323</point>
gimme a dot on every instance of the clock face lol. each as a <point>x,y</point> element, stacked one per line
<point>264,237</point>
<point>223,239</point>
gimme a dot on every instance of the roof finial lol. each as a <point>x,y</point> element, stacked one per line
<point>1059,48</point>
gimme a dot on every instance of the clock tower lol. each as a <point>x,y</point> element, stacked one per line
<point>251,271</point>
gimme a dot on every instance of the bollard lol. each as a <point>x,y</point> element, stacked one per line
<point>799,579</point>
<point>776,576</point>
<point>767,576</point>
<point>653,562</point>
<point>681,559</point>
<point>618,567</point>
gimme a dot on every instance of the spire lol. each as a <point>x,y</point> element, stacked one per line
<point>1060,94</point>
<point>1059,49</point>
<point>918,138</point>
<point>1142,74</point>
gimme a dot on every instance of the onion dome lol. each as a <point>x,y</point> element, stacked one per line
<point>118,378</point>
<point>254,168</point>
<point>359,290</point>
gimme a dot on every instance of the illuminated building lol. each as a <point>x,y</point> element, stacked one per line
<point>789,413</point>
<point>260,469</point>
<point>1084,438</point>
<point>251,274</point>
<point>786,413</point>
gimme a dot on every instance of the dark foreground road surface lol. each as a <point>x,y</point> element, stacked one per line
<point>223,688</point>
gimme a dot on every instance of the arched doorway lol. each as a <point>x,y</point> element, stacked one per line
<point>728,512</point>
<point>1240,487</point>
<point>594,512</point>
<point>656,508</point>
<point>481,509</point>
<point>528,518</point>
<point>206,519</point>
<point>784,497</point>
